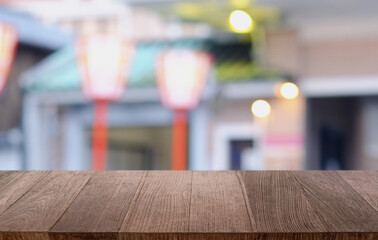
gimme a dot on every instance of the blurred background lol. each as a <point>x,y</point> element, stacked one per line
<point>328,49</point>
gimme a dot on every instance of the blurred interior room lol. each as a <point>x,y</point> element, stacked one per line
<point>292,85</point>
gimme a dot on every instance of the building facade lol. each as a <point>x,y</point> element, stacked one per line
<point>223,134</point>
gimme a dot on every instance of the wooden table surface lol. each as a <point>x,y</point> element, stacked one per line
<point>188,205</point>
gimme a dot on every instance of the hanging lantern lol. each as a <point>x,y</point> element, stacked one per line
<point>104,62</point>
<point>8,44</point>
<point>181,76</point>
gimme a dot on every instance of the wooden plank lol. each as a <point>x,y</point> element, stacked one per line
<point>250,236</point>
<point>40,208</point>
<point>218,203</point>
<point>264,205</point>
<point>23,236</point>
<point>161,203</point>
<point>101,206</point>
<point>278,203</point>
<point>338,205</point>
<point>365,183</point>
<point>83,236</point>
<point>14,184</point>
<point>198,236</point>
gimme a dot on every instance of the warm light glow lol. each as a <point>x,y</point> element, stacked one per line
<point>240,21</point>
<point>182,74</point>
<point>8,42</point>
<point>104,61</point>
<point>260,108</point>
<point>289,90</point>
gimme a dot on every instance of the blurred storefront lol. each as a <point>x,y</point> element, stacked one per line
<point>329,50</point>
<point>335,62</point>
<point>222,131</point>
<point>36,42</point>
<point>341,84</point>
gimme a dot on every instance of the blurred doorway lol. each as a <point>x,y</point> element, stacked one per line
<point>331,132</point>
<point>238,147</point>
<point>139,148</point>
<point>332,148</point>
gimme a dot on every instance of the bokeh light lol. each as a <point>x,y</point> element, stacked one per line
<point>289,90</point>
<point>240,21</point>
<point>260,108</point>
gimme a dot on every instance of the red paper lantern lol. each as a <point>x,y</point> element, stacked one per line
<point>182,74</point>
<point>104,61</point>
<point>8,44</point>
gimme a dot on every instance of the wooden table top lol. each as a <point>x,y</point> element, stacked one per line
<point>188,205</point>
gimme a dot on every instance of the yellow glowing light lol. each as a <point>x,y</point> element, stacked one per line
<point>240,21</point>
<point>260,108</point>
<point>289,90</point>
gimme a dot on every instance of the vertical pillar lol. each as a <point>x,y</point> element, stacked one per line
<point>180,140</point>
<point>99,144</point>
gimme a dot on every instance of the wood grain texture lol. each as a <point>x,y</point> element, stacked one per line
<point>40,208</point>
<point>101,206</point>
<point>24,236</point>
<point>249,236</point>
<point>218,203</point>
<point>365,183</point>
<point>185,205</point>
<point>195,236</point>
<point>337,204</point>
<point>278,203</point>
<point>14,184</point>
<point>161,204</point>
<point>83,236</point>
